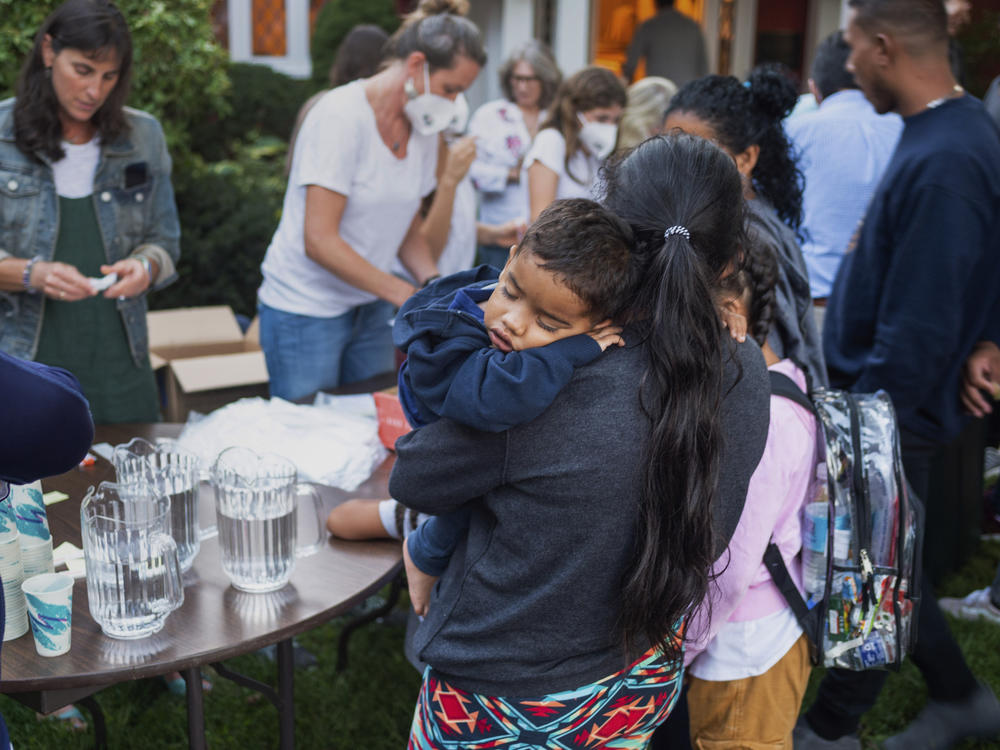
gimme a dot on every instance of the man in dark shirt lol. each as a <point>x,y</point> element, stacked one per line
<point>908,305</point>
<point>672,45</point>
<point>45,429</point>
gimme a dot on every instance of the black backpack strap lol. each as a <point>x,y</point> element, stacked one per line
<point>807,618</point>
<point>784,386</point>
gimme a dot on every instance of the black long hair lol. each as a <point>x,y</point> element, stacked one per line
<point>742,116</point>
<point>665,185</point>
<point>95,28</point>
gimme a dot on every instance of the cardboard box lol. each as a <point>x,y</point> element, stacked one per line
<point>206,360</point>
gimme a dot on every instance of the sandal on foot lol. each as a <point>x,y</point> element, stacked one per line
<point>178,686</point>
<point>70,714</point>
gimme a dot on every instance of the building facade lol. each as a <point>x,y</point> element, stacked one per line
<point>739,33</point>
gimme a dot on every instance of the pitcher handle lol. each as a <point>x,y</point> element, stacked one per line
<point>209,532</point>
<point>165,545</point>
<point>304,490</point>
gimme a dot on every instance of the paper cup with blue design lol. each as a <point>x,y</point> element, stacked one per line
<point>29,510</point>
<point>8,524</point>
<point>36,556</point>
<point>50,610</point>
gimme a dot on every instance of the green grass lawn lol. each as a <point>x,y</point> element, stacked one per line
<point>369,705</point>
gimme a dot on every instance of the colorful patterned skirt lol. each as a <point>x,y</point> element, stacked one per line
<point>619,711</point>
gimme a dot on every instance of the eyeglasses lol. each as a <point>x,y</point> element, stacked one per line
<point>524,79</point>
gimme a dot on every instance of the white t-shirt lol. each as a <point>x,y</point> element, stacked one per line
<point>549,149</point>
<point>74,173</point>
<point>502,141</point>
<point>339,149</point>
<point>748,648</point>
<point>460,252</point>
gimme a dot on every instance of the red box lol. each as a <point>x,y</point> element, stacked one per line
<point>392,423</point>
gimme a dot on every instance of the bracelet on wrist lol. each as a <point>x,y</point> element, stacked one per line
<point>148,266</point>
<point>26,275</point>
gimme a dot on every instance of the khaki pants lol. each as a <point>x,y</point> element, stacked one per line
<point>753,713</point>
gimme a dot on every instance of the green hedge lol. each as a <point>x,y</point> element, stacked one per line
<point>228,211</point>
<point>179,72</point>
<point>260,102</point>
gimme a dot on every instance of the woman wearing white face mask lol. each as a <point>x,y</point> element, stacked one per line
<point>579,133</point>
<point>364,159</point>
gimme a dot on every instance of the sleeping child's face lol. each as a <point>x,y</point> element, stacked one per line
<point>530,307</point>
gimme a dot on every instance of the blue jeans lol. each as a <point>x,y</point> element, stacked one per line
<point>306,354</point>
<point>492,255</point>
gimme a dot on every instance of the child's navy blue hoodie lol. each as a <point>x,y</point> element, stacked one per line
<point>452,371</point>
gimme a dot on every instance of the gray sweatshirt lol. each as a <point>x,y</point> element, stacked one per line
<point>793,333</point>
<point>529,601</point>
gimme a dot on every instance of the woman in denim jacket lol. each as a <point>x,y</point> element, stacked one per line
<point>84,193</point>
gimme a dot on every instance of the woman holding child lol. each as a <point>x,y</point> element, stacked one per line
<point>561,612</point>
<point>364,159</point>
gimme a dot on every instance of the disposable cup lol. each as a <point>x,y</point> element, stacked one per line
<point>50,609</point>
<point>29,510</point>
<point>15,609</point>
<point>36,556</point>
<point>10,551</point>
<point>8,524</point>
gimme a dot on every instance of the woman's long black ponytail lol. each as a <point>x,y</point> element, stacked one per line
<point>683,198</point>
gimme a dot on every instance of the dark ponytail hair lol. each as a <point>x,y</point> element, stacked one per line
<point>755,281</point>
<point>95,28</point>
<point>685,182</point>
<point>744,115</point>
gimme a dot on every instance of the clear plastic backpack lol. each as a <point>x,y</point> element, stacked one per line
<point>862,535</point>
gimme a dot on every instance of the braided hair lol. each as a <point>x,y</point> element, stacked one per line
<point>745,115</point>
<point>754,281</point>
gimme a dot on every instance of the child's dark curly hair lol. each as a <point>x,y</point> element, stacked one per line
<point>744,115</point>
<point>754,281</point>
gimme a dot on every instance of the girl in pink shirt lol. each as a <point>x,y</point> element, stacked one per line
<point>748,658</point>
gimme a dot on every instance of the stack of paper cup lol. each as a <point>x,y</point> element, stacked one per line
<point>33,525</point>
<point>12,574</point>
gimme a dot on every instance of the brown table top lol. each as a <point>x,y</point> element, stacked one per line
<point>216,621</point>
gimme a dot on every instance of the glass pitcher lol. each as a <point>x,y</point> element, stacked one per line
<point>256,508</point>
<point>133,572</point>
<point>173,472</point>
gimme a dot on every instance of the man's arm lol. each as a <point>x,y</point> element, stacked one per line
<point>981,379</point>
<point>636,50</point>
<point>941,242</point>
<point>47,423</point>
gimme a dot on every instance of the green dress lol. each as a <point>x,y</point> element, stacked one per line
<point>88,337</point>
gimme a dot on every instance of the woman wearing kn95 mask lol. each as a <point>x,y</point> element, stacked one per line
<point>577,136</point>
<point>364,159</point>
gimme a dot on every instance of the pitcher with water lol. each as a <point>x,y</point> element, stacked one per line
<point>133,572</point>
<point>256,508</point>
<point>173,472</point>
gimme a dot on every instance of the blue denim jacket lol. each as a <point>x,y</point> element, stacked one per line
<point>138,220</point>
